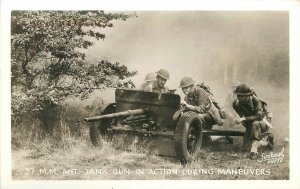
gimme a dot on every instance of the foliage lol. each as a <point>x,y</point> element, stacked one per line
<point>48,64</point>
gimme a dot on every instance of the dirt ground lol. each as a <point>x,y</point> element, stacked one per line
<point>79,160</point>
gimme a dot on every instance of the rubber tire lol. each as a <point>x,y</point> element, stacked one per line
<point>98,130</point>
<point>188,120</point>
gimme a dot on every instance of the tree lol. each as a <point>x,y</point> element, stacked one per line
<point>48,64</point>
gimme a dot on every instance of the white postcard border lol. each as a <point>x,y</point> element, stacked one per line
<point>292,6</point>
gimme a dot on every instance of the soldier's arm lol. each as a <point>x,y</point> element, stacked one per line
<point>241,117</point>
<point>236,109</point>
<point>165,90</point>
<point>250,118</point>
<point>197,109</point>
<point>203,100</point>
<point>258,115</point>
<point>187,106</point>
<point>258,109</point>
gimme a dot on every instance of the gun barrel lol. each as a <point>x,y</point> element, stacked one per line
<point>115,115</point>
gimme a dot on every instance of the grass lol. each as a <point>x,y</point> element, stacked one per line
<point>77,159</point>
<point>72,155</point>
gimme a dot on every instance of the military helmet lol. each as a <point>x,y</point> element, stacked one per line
<point>150,77</point>
<point>243,90</point>
<point>163,73</point>
<point>186,81</point>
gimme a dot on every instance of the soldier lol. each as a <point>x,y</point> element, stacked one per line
<point>149,80</point>
<point>198,100</point>
<point>161,78</point>
<point>252,116</point>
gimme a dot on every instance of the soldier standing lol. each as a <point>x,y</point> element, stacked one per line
<point>253,117</point>
<point>198,100</point>
<point>149,80</point>
<point>161,78</point>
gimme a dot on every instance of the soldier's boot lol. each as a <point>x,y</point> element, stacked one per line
<point>270,146</point>
<point>270,141</point>
<point>253,153</point>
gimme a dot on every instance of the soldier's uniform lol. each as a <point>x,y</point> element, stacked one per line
<point>161,74</point>
<point>148,85</point>
<point>199,101</point>
<point>199,98</point>
<point>256,128</point>
<point>145,87</point>
<point>157,89</point>
<point>207,111</point>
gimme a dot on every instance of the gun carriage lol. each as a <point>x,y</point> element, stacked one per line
<point>153,122</point>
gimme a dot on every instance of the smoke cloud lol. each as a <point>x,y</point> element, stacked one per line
<point>217,47</point>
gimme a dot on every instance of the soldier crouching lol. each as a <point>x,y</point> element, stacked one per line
<point>199,101</point>
<point>255,119</point>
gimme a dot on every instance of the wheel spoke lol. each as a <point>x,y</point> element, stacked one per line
<point>191,139</point>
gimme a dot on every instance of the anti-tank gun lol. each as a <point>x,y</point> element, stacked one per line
<point>150,121</point>
<point>130,113</point>
<point>131,119</point>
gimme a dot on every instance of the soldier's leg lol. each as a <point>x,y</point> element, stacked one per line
<point>246,141</point>
<point>256,130</point>
<point>207,123</point>
<point>255,136</point>
<point>269,139</point>
<point>258,140</point>
<point>259,132</point>
<point>214,113</point>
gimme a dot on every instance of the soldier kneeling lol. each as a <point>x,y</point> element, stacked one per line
<point>254,118</point>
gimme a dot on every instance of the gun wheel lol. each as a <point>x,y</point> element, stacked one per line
<point>99,130</point>
<point>188,137</point>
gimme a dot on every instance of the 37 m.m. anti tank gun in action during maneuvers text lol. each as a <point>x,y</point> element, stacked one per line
<point>153,122</point>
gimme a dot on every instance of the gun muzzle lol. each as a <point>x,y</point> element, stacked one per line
<point>116,115</point>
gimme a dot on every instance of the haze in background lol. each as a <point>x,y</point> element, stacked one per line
<point>217,47</point>
<point>192,43</point>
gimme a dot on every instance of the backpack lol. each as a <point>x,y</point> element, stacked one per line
<point>264,104</point>
<point>205,87</point>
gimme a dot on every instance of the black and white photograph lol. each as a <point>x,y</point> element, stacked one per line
<point>147,95</point>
